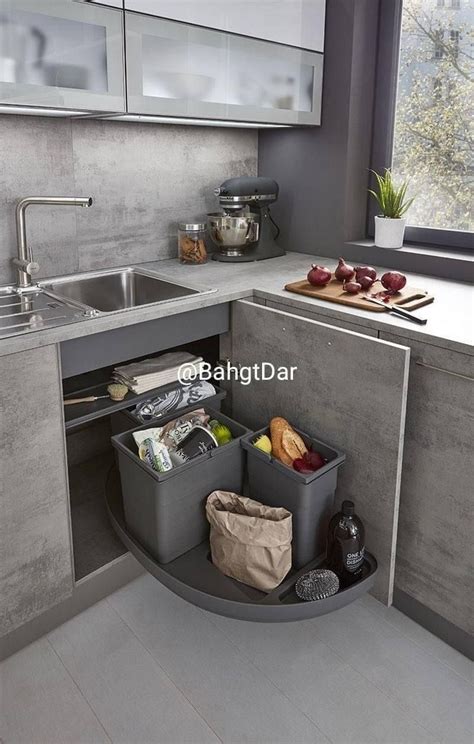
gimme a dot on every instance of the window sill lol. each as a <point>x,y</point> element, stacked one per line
<point>444,262</point>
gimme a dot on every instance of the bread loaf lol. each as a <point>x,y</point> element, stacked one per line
<point>287,445</point>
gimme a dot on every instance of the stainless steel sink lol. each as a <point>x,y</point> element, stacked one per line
<point>119,289</point>
<point>34,311</point>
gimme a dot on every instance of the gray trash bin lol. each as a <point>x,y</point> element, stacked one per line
<point>165,512</point>
<point>310,498</point>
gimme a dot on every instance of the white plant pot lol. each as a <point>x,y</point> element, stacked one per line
<point>389,232</point>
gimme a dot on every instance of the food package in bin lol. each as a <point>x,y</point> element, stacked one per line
<point>249,541</point>
<point>158,446</point>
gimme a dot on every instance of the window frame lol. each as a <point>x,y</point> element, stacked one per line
<point>386,86</point>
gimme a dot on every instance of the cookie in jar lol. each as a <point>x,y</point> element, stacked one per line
<point>191,242</point>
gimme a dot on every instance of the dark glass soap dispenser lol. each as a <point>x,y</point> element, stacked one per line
<point>346,544</point>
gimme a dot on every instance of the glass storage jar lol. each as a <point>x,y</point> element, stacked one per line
<point>191,242</point>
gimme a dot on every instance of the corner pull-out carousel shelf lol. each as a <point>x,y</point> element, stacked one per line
<point>193,577</point>
<point>81,413</point>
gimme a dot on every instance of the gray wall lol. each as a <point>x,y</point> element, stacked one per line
<point>322,172</point>
<point>143,178</point>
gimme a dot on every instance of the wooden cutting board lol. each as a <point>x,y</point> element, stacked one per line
<point>409,298</point>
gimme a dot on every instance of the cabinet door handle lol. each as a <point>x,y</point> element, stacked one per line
<point>421,363</point>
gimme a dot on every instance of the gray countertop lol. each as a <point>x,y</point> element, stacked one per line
<point>450,317</point>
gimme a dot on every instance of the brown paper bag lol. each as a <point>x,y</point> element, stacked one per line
<point>250,542</point>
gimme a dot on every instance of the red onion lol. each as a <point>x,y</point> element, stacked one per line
<point>319,276</point>
<point>394,281</point>
<point>309,463</point>
<point>314,459</point>
<point>344,272</point>
<point>365,271</point>
<point>365,281</point>
<point>352,287</point>
<point>300,465</point>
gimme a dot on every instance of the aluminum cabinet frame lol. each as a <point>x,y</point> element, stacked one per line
<point>111,19</point>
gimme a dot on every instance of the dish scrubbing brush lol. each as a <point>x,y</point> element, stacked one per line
<point>117,391</point>
<point>317,584</point>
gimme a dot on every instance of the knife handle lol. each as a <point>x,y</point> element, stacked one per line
<point>405,314</point>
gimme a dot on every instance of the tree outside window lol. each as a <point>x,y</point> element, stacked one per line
<point>434,133</point>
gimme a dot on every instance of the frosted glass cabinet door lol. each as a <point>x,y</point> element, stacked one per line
<point>273,83</point>
<point>178,70</point>
<point>61,53</point>
<point>174,69</point>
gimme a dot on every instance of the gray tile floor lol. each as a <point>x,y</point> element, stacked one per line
<point>145,667</point>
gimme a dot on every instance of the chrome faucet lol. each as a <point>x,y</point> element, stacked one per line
<point>24,263</point>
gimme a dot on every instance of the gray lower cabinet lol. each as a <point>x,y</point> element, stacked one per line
<point>311,315</point>
<point>35,545</point>
<point>349,390</point>
<point>435,545</point>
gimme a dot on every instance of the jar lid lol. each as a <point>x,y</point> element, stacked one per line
<point>192,225</point>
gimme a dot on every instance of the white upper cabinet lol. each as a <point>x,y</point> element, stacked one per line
<point>61,54</point>
<point>298,23</point>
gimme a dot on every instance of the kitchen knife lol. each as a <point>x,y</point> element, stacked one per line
<point>397,310</point>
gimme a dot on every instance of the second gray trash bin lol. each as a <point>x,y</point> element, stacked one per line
<point>310,498</point>
<point>165,512</point>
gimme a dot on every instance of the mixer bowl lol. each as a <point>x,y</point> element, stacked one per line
<point>230,233</point>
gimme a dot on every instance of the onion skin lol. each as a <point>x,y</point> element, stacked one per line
<point>393,281</point>
<point>365,271</point>
<point>365,281</point>
<point>344,272</point>
<point>352,287</point>
<point>319,276</point>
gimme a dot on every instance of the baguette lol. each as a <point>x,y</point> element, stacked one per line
<point>287,445</point>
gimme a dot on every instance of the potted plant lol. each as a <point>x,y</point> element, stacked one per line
<point>390,225</point>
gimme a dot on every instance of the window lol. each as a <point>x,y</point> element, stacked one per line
<point>456,4</point>
<point>440,3</point>
<point>454,37</point>
<point>433,141</point>
<point>438,40</point>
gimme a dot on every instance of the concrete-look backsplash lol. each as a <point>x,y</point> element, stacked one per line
<point>144,179</point>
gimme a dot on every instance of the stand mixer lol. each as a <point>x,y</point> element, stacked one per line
<point>245,230</point>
